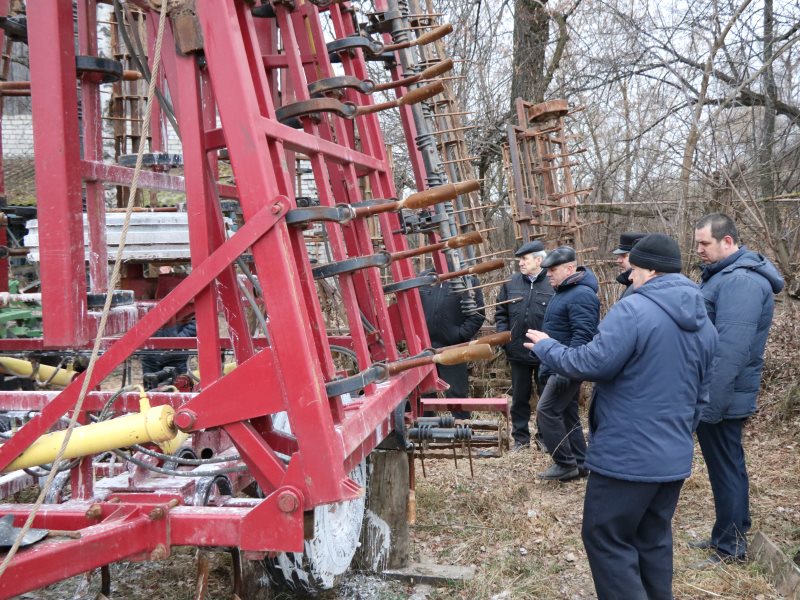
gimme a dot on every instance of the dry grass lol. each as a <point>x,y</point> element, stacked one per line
<point>523,535</point>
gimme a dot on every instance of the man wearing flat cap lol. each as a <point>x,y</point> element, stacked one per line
<point>622,251</point>
<point>571,318</point>
<point>651,361</point>
<point>526,297</point>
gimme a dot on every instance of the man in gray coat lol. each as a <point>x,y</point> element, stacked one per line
<point>738,286</point>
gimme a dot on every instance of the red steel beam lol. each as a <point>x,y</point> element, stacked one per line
<point>148,180</point>
<point>58,182</point>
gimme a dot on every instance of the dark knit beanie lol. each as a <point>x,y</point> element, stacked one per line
<point>658,252</point>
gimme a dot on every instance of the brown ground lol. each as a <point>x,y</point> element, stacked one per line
<point>523,535</point>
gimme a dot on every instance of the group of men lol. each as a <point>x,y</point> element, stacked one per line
<point>670,359</point>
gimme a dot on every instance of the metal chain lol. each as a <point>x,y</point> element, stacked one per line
<point>106,307</point>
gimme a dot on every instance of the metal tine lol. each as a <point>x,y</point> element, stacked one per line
<point>512,301</point>
<point>463,210</point>
<point>498,253</point>
<point>458,160</point>
<point>443,131</point>
<point>484,285</point>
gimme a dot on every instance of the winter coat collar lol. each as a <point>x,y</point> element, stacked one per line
<point>542,274</point>
<point>625,278</point>
<point>582,276</point>
<point>745,259</point>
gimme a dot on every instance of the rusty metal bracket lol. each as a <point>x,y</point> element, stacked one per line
<point>98,69</point>
<point>312,108</point>
<point>373,374</point>
<point>410,284</point>
<point>341,213</point>
<point>382,22</point>
<point>355,42</point>
<point>349,265</point>
<point>334,84</point>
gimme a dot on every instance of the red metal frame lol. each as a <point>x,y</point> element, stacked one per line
<point>238,83</point>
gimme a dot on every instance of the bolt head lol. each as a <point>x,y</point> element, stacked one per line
<point>184,419</point>
<point>288,502</point>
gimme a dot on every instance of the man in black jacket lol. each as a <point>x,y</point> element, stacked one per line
<point>527,295</point>
<point>571,319</point>
<point>622,251</point>
<point>450,322</point>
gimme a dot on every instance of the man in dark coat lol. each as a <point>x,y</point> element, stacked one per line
<point>738,286</point>
<point>622,251</point>
<point>652,361</point>
<point>450,323</point>
<point>526,297</point>
<point>571,319</point>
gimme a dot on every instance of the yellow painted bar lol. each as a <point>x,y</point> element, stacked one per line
<point>150,425</point>
<point>23,368</point>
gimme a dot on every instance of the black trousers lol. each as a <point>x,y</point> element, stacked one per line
<point>627,533</point>
<point>457,377</point>
<point>522,381</point>
<point>721,444</point>
<point>558,417</point>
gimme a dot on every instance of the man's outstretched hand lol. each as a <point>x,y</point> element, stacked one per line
<point>535,337</point>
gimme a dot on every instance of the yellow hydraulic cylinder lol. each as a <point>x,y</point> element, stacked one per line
<point>24,368</point>
<point>149,425</point>
<point>226,368</point>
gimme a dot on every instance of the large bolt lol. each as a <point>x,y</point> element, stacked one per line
<point>94,512</point>
<point>288,501</point>
<point>277,208</point>
<point>185,419</point>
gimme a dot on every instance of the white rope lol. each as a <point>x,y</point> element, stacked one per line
<point>106,307</point>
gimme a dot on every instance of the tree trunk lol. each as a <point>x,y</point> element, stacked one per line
<point>531,35</point>
<point>765,159</point>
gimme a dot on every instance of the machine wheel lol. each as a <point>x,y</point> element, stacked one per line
<point>337,529</point>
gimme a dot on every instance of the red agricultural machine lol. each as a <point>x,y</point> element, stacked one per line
<point>244,454</point>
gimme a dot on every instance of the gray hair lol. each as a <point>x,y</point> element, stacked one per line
<point>540,254</point>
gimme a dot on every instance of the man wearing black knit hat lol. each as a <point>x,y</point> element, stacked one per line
<point>651,362</point>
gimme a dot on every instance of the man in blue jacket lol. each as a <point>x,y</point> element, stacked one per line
<point>571,318</point>
<point>526,297</point>
<point>652,360</point>
<point>738,286</point>
<point>449,323</point>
